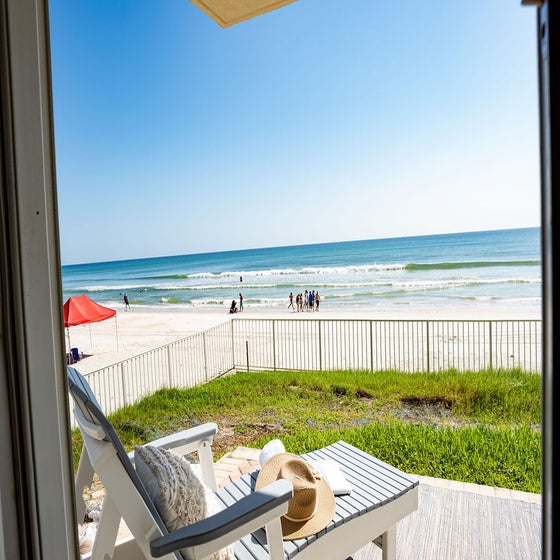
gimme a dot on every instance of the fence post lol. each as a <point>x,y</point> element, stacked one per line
<point>320,348</point>
<point>232,345</point>
<point>205,359</point>
<point>170,376</point>
<point>274,344</point>
<point>247,353</point>
<point>427,346</point>
<point>123,381</point>
<point>490,341</point>
<point>371,345</point>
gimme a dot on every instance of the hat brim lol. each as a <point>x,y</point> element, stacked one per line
<point>326,505</point>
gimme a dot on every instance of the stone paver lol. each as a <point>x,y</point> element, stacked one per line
<point>236,463</point>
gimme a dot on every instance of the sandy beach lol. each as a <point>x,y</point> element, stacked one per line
<point>133,332</point>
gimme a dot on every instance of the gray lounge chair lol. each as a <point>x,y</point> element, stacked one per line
<point>381,496</point>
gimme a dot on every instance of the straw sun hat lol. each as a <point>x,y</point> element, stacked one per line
<point>312,506</point>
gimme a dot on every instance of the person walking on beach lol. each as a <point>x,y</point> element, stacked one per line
<point>291,301</point>
<point>126,302</point>
<point>240,303</point>
<point>317,300</point>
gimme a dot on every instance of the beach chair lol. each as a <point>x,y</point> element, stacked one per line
<point>381,495</point>
<point>76,356</point>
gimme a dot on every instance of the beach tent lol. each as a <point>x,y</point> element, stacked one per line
<point>80,310</point>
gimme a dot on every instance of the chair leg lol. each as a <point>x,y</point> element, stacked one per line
<point>389,543</point>
<point>84,478</point>
<point>274,539</point>
<point>107,530</point>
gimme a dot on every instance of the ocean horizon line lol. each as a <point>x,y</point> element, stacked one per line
<point>297,245</point>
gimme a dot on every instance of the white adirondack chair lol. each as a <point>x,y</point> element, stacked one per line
<point>381,496</point>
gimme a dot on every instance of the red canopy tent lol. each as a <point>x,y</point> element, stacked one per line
<point>79,310</point>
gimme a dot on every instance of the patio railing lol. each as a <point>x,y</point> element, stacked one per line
<point>187,362</point>
<point>404,345</point>
<point>320,345</point>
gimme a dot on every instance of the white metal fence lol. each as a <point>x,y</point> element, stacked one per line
<point>404,345</point>
<point>187,362</point>
<point>320,345</point>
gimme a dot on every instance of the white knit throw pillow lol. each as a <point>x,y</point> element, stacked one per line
<point>180,497</point>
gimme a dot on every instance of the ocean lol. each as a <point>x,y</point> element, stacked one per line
<point>496,269</point>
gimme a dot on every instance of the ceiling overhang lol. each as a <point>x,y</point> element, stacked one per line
<point>229,12</point>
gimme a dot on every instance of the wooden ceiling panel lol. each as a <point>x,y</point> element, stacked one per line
<point>229,12</point>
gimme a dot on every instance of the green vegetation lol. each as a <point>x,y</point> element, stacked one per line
<point>481,427</point>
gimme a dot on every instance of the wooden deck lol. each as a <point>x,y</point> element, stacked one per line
<point>454,520</point>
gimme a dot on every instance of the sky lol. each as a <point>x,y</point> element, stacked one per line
<point>325,120</point>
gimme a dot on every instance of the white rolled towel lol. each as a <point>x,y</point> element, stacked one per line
<point>333,475</point>
<point>273,447</point>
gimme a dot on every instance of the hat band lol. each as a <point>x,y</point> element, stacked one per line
<point>301,519</point>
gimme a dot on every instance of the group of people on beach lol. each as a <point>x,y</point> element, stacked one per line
<point>233,308</point>
<point>305,302</point>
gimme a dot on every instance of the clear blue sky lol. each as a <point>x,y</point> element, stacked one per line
<point>326,120</point>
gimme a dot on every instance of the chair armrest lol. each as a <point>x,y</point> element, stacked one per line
<point>197,439</point>
<point>224,528</point>
<point>187,438</point>
<point>185,441</point>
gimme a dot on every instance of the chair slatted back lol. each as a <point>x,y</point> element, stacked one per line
<point>87,403</point>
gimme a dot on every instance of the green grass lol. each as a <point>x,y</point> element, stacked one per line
<point>481,427</point>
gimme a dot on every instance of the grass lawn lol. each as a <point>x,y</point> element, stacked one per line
<point>481,427</point>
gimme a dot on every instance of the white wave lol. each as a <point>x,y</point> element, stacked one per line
<point>107,288</point>
<point>375,267</point>
<point>458,282</point>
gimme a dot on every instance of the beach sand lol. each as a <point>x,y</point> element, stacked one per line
<point>133,332</point>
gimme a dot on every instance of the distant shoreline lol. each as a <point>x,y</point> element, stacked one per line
<point>493,270</point>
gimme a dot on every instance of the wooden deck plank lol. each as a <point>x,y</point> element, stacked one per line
<point>453,524</point>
